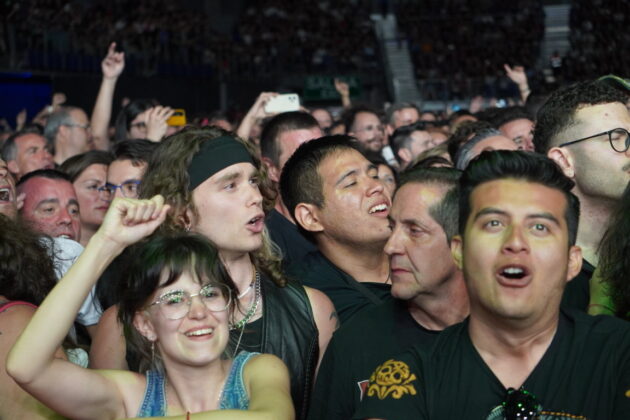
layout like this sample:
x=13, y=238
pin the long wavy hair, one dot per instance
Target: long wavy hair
x=157, y=262
x=167, y=174
x=614, y=257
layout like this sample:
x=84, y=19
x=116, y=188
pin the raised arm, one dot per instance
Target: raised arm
x=344, y=91
x=66, y=388
x=256, y=112
x=517, y=75
x=156, y=120
x=112, y=66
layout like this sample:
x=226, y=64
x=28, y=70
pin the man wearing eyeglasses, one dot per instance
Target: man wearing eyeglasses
x=518, y=355
x=584, y=129
x=124, y=179
x=125, y=172
x=68, y=130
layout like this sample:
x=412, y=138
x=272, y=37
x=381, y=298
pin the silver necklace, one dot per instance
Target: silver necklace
x=246, y=292
x=253, y=307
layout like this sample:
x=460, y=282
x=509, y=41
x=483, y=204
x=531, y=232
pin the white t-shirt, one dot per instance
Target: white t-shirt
x=64, y=253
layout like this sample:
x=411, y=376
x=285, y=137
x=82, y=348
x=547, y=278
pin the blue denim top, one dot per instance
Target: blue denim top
x=233, y=397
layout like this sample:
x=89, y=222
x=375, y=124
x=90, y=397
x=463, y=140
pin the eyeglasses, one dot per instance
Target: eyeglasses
x=140, y=125
x=83, y=126
x=128, y=189
x=619, y=139
x=520, y=404
x=176, y=303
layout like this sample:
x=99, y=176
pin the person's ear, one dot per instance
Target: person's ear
x=272, y=170
x=186, y=219
x=13, y=167
x=143, y=324
x=62, y=132
x=563, y=159
x=456, y=251
x=404, y=155
x=307, y=216
x=575, y=262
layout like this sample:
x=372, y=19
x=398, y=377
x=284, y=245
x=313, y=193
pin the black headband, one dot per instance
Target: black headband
x=215, y=155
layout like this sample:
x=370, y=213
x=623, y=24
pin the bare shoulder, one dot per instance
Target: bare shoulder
x=318, y=298
x=110, y=313
x=15, y=318
x=264, y=361
x=262, y=366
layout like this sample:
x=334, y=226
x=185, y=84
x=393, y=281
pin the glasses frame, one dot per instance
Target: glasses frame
x=83, y=126
x=114, y=187
x=609, y=132
x=225, y=289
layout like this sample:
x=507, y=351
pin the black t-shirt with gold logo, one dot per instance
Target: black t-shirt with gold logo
x=355, y=350
x=585, y=373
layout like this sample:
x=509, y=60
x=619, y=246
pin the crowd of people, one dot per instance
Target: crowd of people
x=166, y=38
x=463, y=43
x=382, y=263
x=597, y=33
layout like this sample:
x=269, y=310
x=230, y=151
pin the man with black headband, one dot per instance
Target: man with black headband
x=517, y=356
x=213, y=184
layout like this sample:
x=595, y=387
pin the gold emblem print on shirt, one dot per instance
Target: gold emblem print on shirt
x=392, y=378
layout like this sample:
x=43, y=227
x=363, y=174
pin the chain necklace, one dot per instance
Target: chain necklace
x=253, y=308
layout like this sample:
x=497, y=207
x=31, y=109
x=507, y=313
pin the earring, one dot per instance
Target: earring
x=152, y=340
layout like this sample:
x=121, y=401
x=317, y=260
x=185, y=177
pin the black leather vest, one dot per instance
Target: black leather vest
x=288, y=331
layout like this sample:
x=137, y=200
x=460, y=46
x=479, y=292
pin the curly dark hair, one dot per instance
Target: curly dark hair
x=26, y=269
x=614, y=257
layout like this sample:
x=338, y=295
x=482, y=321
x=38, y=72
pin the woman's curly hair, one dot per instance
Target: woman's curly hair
x=167, y=174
